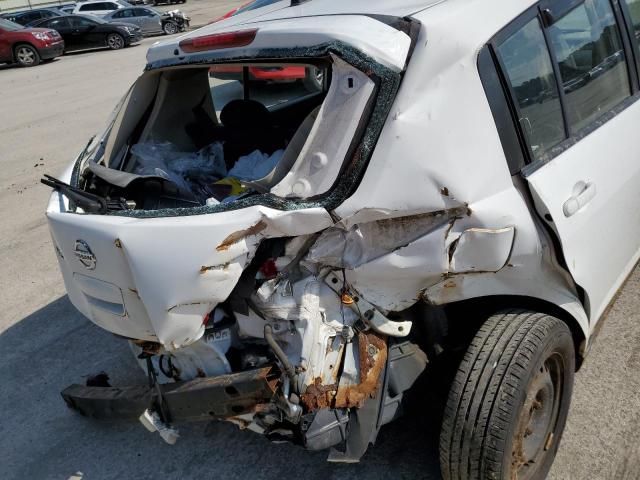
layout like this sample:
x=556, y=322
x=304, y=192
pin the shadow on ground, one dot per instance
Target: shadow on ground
x=41, y=438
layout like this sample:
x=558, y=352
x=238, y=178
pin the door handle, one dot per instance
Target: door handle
x=583, y=193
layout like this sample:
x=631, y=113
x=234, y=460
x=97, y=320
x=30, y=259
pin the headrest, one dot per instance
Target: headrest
x=244, y=113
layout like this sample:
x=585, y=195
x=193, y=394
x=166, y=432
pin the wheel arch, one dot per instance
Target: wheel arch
x=482, y=307
x=17, y=44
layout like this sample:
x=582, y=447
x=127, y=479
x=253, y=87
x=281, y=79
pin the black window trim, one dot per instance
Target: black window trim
x=523, y=162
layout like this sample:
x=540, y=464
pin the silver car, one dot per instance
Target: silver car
x=151, y=21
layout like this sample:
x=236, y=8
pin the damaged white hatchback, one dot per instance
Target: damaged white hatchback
x=296, y=212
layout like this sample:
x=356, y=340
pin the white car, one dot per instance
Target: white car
x=99, y=8
x=457, y=192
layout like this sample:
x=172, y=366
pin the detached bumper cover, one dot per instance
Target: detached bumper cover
x=200, y=399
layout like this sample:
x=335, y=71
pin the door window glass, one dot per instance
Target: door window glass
x=529, y=70
x=57, y=23
x=592, y=63
x=78, y=22
x=634, y=12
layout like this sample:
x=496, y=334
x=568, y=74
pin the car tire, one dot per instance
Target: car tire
x=170, y=28
x=115, y=41
x=314, y=79
x=508, y=404
x=26, y=55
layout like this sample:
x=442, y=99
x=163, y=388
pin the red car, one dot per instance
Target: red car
x=273, y=74
x=28, y=46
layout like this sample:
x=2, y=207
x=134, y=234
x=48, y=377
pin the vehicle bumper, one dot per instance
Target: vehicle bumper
x=52, y=51
x=134, y=38
x=200, y=399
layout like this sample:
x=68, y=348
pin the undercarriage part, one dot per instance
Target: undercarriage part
x=200, y=399
x=325, y=428
x=277, y=351
x=371, y=357
x=153, y=423
x=405, y=363
x=369, y=314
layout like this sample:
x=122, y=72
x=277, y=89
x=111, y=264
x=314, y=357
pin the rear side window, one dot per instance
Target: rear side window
x=529, y=70
x=591, y=60
x=57, y=23
x=634, y=13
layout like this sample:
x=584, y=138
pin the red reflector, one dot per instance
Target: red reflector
x=218, y=41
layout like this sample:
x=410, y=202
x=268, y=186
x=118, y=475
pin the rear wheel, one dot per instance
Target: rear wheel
x=170, y=28
x=26, y=55
x=115, y=41
x=509, y=402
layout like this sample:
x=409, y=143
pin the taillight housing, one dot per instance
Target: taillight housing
x=218, y=41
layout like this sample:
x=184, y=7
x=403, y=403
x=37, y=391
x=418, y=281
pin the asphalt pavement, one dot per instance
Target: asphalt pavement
x=47, y=115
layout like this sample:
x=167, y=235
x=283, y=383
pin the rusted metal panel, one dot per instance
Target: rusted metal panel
x=372, y=358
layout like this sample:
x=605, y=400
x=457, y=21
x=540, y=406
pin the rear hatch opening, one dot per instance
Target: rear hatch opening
x=194, y=136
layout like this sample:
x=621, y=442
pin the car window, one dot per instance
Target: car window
x=588, y=48
x=9, y=26
x=87, y=8
x=634, y=12
x=57, y=23
x=81, y=22
x=274, y=85
x=529, y=69
x=29, y=17
x=124, y=13
x=143, y=12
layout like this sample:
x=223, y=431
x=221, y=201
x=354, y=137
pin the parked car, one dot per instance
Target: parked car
x=67, y=9
x=29, y=16
x=99, y=8
x=28, y=46
x=82, y=32
x=151, y=21
x=253, y=5
x=313, y=77
x=159, y=2
x=294, y=267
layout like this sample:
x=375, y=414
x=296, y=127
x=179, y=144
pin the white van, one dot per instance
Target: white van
x=461, y=184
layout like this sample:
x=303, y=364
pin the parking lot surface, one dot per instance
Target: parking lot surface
x=48, y=115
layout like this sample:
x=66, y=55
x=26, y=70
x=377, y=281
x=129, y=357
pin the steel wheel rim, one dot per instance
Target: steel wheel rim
x=115, y=42
x=538, y=419
x=26, y=55
x=170, y=28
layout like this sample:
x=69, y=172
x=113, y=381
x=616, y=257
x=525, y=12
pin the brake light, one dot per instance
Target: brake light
x=219, y=41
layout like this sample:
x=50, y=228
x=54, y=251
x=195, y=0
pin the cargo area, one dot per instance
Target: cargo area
x=189, y=137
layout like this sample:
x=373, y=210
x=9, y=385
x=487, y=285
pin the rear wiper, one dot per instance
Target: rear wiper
x=89, y=202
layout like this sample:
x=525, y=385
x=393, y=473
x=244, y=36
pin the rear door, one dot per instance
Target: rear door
x=63, y=26
x=148, y=20
x=84, y=35
x=573, y=80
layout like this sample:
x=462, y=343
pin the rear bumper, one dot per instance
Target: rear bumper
x=209, y=398
x=52, y=51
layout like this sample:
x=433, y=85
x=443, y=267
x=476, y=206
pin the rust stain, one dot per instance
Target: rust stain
x=318, y=396
x=207, y=268
x=151, y=348
x=444, y=191
x=450, y=284
x=372, y=349
x=240, y=235
x=118, y=243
